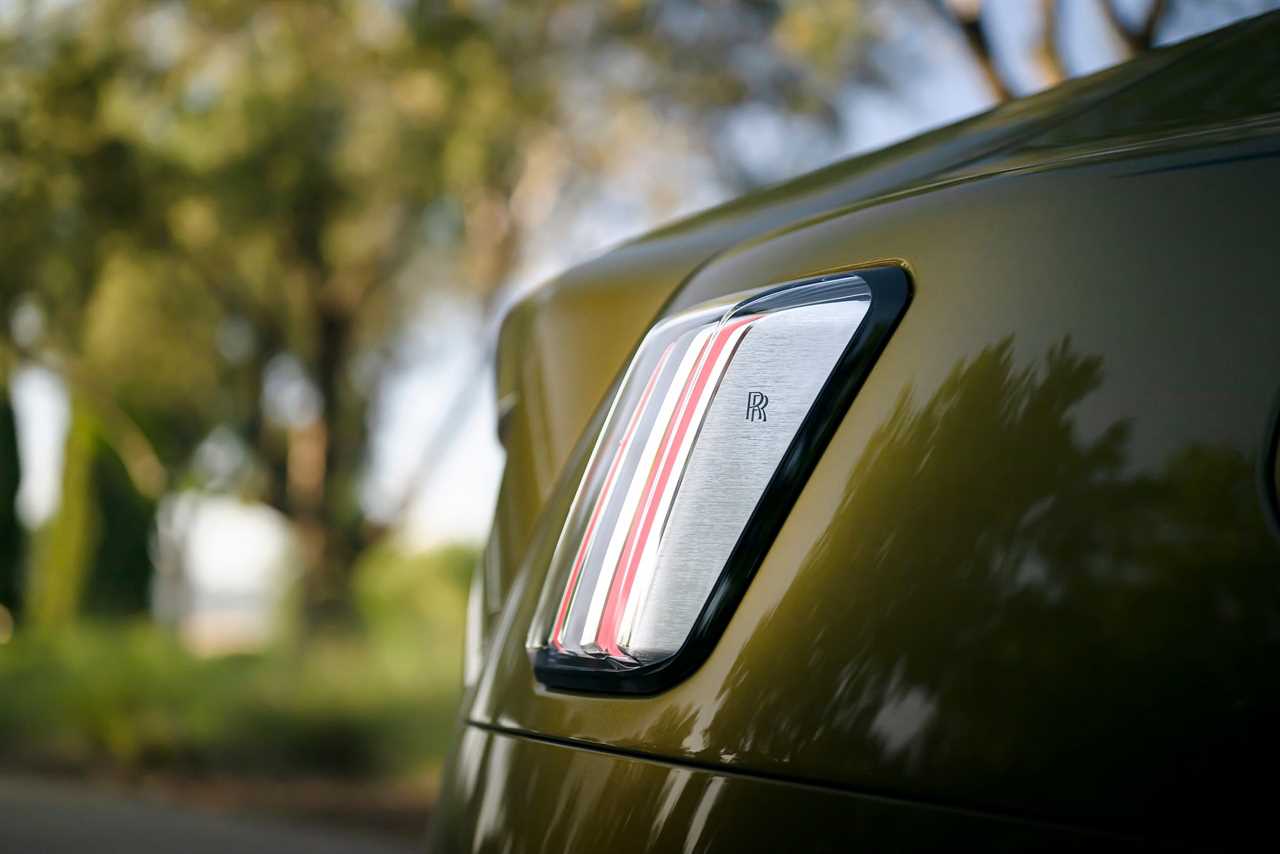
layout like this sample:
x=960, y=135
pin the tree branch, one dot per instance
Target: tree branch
x=1049, y=55
x=1143, y=37
x=970, y=25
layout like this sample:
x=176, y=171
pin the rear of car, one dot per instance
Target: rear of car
x=1007, y=572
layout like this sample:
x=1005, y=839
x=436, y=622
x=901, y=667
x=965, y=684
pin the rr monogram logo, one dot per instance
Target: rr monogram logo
x=756, y=402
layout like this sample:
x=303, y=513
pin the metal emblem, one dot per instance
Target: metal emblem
x=714, y=413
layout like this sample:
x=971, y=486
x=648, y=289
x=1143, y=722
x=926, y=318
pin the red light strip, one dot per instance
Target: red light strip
x=664, y=462
x=585, y=547
x=622, y=533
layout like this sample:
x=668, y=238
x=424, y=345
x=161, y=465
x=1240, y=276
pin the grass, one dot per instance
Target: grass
x=374, y=704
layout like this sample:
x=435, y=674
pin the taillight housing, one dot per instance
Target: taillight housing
x=713, y=429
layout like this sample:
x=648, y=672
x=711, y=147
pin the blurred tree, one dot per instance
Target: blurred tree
x=211, y=204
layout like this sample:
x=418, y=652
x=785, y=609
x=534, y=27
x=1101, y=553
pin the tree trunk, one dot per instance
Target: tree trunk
x=321, y=474
x=65, y=544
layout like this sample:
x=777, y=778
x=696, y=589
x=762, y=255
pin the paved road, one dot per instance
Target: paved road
x=62, y=818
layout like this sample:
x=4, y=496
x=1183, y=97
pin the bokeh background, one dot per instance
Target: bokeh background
x=252, y=259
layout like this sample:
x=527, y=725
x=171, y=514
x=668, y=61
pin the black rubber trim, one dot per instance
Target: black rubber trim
x=890, y=294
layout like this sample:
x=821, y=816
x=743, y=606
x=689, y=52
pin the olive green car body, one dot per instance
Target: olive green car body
x=1030, y=594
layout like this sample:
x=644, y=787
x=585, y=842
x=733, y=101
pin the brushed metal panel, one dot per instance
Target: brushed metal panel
x=783, y=361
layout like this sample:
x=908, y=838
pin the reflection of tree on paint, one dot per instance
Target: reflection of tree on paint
x=1020, y=613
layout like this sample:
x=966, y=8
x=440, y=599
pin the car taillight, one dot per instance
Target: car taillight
x=711, y=432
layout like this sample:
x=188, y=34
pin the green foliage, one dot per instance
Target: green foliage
x=153, y=337
x=399, y=592
x=119, y=582
x=130, y=697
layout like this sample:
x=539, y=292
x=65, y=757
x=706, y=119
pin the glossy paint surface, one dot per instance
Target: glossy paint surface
x=1035, y=572
x=513, y=794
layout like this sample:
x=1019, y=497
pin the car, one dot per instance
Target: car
x=927, y=500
